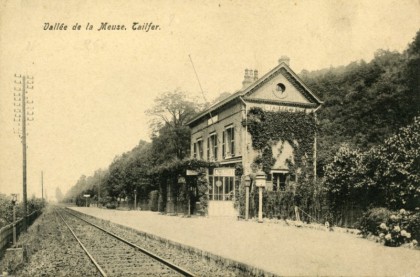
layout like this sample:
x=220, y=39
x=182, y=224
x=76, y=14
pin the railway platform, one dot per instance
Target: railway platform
x=272, y=247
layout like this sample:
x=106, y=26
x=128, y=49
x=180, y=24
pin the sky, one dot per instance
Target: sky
x=91, y=88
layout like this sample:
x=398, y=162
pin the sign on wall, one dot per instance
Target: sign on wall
x=191, y=172
x=224, y=171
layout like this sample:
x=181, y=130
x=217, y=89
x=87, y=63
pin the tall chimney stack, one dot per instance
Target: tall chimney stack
x=248, y=79
x=284, y=59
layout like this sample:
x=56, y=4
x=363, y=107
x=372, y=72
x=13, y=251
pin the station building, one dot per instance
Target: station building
x=219, y=135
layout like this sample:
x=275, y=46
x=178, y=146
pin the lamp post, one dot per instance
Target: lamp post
x=14, y=200
x=135, y=199
x=260, y=183
x=247, y=185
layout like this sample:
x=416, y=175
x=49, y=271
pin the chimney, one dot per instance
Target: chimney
x=249, y=77
x=284, y=59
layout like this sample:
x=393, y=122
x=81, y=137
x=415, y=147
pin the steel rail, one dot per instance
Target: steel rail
x=84, y=248
x=156, y=257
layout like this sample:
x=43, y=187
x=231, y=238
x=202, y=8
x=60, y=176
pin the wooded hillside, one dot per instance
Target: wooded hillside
x=366, y=102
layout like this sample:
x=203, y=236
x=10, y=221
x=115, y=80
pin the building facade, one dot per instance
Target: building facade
x=219, y=134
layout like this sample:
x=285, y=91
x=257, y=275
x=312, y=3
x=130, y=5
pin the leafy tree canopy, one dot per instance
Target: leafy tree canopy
x=364, y=103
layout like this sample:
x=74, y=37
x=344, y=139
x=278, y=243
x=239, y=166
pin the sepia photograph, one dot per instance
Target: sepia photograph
x=209, y=138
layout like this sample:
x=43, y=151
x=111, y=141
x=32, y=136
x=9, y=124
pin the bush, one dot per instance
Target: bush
x=276, y=204
x=372, y=219
x=35, y=204
x=6, y=210
x=413, y=225
x=399, y=228
x=112, y=205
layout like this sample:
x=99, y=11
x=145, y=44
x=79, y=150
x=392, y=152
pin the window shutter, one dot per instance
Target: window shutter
x=223, y=145
x=215, y=147
x=208, y=148
x=232, y=145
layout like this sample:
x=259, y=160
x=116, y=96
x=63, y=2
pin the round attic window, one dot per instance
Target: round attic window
x=280, y=87
x=279, y=90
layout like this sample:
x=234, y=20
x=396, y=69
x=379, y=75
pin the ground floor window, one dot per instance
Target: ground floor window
x=221, y=188
x=280, y=181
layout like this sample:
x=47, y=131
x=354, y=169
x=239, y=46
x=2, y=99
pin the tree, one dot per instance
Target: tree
x=171, y=136
x=365, y=103
x=173, y=109
x=395, y=168
x=345, y=179
x=388, y=175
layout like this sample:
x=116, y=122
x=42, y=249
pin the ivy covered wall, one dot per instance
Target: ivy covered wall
x=298, y=129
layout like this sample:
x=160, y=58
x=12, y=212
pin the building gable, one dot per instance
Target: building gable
x=279, y=88
x=281, y=85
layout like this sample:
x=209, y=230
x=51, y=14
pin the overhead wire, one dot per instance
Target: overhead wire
x=239, y=123
x=204, y=97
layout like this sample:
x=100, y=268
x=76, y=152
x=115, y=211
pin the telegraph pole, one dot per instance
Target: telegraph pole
x=42, y=185
x=21, y=115
x=25, y=196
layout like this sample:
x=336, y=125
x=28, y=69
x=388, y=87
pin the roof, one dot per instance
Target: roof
x=281, y=68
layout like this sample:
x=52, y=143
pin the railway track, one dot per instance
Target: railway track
x=112, y=255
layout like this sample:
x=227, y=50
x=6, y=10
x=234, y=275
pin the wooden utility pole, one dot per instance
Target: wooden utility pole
x=42, y=185
x=25, y=196
x=21, y=116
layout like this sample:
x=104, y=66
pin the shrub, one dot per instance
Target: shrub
x=413, y=225
x=112, y=205
x=396, y=229
x=35, y=204
x=6, y=210
x=385, y=176
x=372, y=219
x=395, y=167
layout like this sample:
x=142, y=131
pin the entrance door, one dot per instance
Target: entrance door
x=221, y=188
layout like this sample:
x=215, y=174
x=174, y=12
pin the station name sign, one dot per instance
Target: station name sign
x=224, y=171
x=277, y=108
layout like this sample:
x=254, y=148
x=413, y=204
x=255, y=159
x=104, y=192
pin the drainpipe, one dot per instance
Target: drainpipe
x=245, y=154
